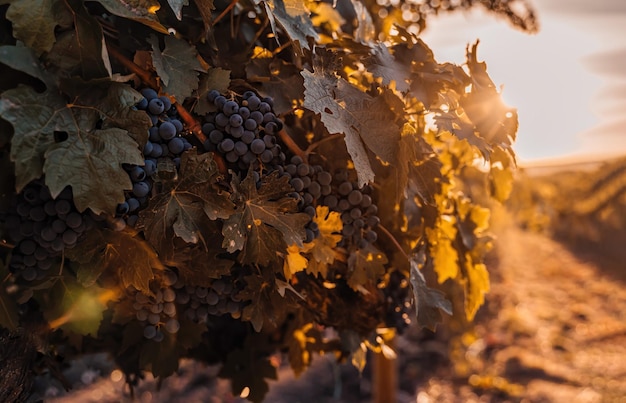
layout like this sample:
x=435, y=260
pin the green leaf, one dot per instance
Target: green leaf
x=25, y=60
x=428, y=302
x=293, y=17
x=90, y=162
x=366, y=266
x=215, y=79
x=177, y=66
x=191, y=202
x=94, y=57
x=34, y=22
x=366, y=121
x=35, y=117
x=265, y=220
x=9, y=317
x=143, y=11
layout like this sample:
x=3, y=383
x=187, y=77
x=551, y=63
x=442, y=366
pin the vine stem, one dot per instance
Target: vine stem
x=232, y=4
x=291, y=145
x=313, y=146
x=195, y=128
x=143, y=75
x=393, y=240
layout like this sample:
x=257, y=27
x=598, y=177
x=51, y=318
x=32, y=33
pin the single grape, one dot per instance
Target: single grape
x=155, y=106
x=211, y=95
x=176, y=145
x=142, y=104
x=247, y=137
x=169, y=308
x=226, y=145
x=373, y=221
x=241, y=148
x=216, y=136
x=167, y=131
x=150, y=167
x=70, y=237
x=149, y=94
x=27, y=247
x=297, y=184
x=244, y=112
x=371, y=236
x=257, y=146
x=137, y=174
x=29, y=274
x=167, y=104
x=74, y=220
x=133, y=204
x=149, y=332
x=147, y=149
x=343, y=205
x=219, y=101
x=257, y=117
x=58, y=226
x=271, y=127
x=267, y=156
x=157, y=150
x=264, y=107
x=230, y=108
x=345, y=188
x=355, y=197
x=250, y=124
x=237, y=132
x=315, y=189
x=141, y=189
x=37, y=213
x=235, y=120
x=62, y=206
x=331, y=201
x=253, y=103
x=310, y=210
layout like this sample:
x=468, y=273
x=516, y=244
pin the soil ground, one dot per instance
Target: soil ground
x=553, y=330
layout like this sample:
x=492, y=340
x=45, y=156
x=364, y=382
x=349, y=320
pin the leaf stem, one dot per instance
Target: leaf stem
x=291, y=145
x=313, y=146
x=393, y=240
x=143, y=75
x=232, y=4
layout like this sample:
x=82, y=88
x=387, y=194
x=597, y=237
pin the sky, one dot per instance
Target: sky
x=568, y=82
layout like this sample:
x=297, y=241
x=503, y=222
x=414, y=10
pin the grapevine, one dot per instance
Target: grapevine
x=175, y=174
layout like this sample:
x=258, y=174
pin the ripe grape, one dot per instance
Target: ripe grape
x=156, y=106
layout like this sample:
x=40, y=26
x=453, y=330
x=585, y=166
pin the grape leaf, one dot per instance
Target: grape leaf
x=199, y=267
x=69, y=305
x=143, y=11
x=445, y=256
x=215, y=79
x=366, y=265
x=121, y=253
x=34, y=22
x=323, y=247
x=428, y=302
x=177, y=66
x=35, y=117
x=9, y=317
x=25, y=60
x=160, y=358
x=94, y=57
x=90, y=162
x=365, y=120
x=293, y=17
x=247, y=368
x=383, y=65
x=303, y=343
x=501, y=174
x=265, y=220
x=279, y=80
x=114, y=104
x=294, y=261
x=266, y=305
x=189, y=203
x=476, y=285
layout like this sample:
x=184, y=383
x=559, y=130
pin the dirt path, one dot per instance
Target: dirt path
x=555, y=325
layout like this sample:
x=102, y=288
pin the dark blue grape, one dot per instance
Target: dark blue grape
x=267, y=156
x=149, y=93
x=241, y=148
x=167, y=104
x=211, y=95
x=142, y=104
x=297, y=184
x=271, y=127
x=62, y=206
x=264, y=108
x=230, y=108
x=178, y=124
x=216, y=136
x=237, y=132
x=257, y=146
x=122, y=208
x=219, y=101
x=133, y=204
x=231, y=156
x=70, y=237
x=58, y=226
x=247, y=137
x=167, y=131
x=324, y=178
x=253, y=103
x=176, y=145
x=226, y=145
x=221, y=120
x=147, y=149
x=150, y=167
x=236, y=120
x=155, y=106
x=257, y=117
x=141, y=189
x=244, y=112
x=137, y=174
x=157, y=150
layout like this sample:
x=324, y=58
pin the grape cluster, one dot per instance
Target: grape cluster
x=398, y=299
x=165, y=143
x=218, y=299
x=311, y=184
x=243, y=131
x=157, y=312
x=357, y=209
x=42, y=228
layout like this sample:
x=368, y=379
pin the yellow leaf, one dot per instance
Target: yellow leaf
x=476, y=285
x=445, y=256
x=294, y=261
x=322, y=247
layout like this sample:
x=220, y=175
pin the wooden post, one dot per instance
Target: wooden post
x=385, y=377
